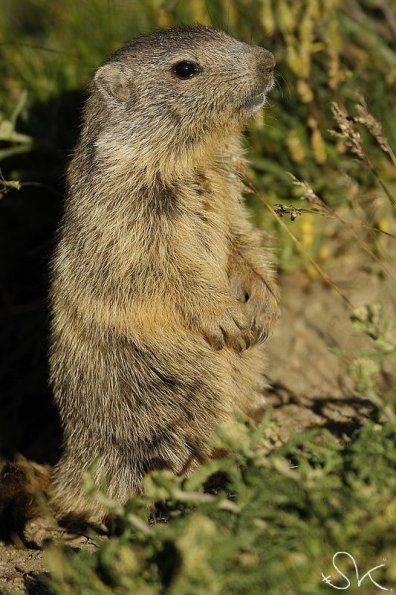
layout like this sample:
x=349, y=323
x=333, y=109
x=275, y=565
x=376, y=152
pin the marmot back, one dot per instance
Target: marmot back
x=162, y=293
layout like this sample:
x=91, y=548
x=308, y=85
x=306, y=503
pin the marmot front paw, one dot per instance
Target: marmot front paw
x=225, y=325
x=260, y=302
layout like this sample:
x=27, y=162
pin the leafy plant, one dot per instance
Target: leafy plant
x=273, y=524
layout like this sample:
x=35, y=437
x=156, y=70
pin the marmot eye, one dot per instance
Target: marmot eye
x=185, y=69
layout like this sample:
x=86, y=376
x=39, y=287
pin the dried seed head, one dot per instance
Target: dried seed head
x=350, y=137
x=309, y=195
x=282, y=210
x=364, y=117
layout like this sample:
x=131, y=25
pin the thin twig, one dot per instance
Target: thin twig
x=301, y=248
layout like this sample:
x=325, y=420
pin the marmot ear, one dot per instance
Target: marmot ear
x=112, y=82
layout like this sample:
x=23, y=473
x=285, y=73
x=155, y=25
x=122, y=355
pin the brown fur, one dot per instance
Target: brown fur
x=22, y=483
x=162, y=293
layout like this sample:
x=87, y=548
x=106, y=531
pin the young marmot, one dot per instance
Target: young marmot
x=161, y=292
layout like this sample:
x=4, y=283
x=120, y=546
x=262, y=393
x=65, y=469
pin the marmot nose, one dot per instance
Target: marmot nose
x=265, y=59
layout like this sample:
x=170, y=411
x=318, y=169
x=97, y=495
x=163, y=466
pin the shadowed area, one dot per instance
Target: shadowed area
x=28, y=221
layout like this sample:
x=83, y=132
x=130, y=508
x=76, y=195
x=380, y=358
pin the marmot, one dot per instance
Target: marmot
x=162, y=293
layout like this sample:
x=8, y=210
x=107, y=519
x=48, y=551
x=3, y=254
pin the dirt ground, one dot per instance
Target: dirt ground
x=310, y=386
x=310, y=381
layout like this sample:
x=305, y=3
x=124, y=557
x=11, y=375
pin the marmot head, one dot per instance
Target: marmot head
x=170, y=90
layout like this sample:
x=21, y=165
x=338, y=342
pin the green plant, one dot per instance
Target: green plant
x=272, y=526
